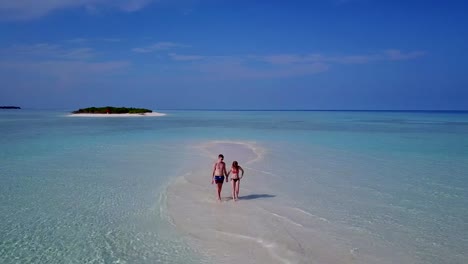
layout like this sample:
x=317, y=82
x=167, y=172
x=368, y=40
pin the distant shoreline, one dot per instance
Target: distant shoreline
x=118, y=115
x=10, y=107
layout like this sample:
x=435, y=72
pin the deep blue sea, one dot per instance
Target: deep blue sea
x=389, y=186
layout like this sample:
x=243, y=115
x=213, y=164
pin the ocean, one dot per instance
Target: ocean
x=320, y=187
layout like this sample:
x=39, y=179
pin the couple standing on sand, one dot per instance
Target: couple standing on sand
x=219, y=171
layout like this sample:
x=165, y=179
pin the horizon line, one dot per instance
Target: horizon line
x=317, y=110
x=279, y=110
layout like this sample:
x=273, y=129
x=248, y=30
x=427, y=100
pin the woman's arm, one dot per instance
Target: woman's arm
x=241, y=169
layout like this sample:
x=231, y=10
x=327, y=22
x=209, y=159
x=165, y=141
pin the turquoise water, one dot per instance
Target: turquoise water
x=89, y=190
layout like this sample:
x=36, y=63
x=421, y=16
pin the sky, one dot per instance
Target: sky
x=234, y=54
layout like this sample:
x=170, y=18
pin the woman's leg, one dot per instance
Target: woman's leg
x=237, y=189
x=233, y=189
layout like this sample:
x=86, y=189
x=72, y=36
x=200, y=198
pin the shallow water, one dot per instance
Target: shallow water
x=330, y=187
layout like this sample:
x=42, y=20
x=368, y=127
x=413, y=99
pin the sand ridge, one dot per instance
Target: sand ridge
x=265, y=225
x=255, y=229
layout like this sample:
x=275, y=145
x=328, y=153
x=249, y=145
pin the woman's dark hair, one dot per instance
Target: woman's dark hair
x=235, y=164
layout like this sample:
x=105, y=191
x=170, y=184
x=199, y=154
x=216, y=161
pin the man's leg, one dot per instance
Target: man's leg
x=220, y=186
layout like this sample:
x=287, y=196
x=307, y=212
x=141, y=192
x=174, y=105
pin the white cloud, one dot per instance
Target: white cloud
x=112, y=39
x=159, y=46
x=30, y=9
x=61, y=65
x=178, y=57
x=354, y=59
x=79, y=54
x=290, y=58
x=62, y=60
x=387, y=55
x=242, y=67
x=393, y=54
x=61, y=74
x=233, y=70
x=134, y=5
x=47, y=51
x=89, y=40
x=77, y=40
x=280, y=65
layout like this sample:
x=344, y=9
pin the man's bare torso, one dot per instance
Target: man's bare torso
x=219, y=168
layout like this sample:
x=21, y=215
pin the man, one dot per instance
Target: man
x=219, y=171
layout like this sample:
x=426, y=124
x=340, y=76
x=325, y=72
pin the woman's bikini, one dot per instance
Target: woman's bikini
x=235, y=171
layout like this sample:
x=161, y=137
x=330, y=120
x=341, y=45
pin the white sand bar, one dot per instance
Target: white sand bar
x=119, y=115
x=264, y=226
x=258, y=228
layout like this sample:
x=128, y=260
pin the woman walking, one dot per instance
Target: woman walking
x=235, y=179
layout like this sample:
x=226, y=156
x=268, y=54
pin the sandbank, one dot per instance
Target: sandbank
x=266, y=224
x=260, y=227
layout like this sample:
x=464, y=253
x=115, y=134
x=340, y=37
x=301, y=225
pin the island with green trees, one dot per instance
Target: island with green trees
x=9, y=107
x=112, y=110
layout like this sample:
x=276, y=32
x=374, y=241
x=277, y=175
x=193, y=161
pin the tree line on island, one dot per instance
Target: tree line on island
x=112, y=110
x=9, y=107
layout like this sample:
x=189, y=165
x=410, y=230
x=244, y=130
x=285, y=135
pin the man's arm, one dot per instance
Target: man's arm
x=225, y=172
x=213, y=174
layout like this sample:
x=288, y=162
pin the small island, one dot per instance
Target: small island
x=110, y=111
x=9, y=107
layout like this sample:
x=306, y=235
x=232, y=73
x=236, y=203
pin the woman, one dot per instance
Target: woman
x=235, y=179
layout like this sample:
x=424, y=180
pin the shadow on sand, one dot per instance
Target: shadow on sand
x=256, y=196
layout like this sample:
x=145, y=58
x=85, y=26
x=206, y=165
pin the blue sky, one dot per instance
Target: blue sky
x=212, y=54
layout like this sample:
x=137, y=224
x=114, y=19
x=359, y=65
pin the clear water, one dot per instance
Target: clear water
x=91, y=190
